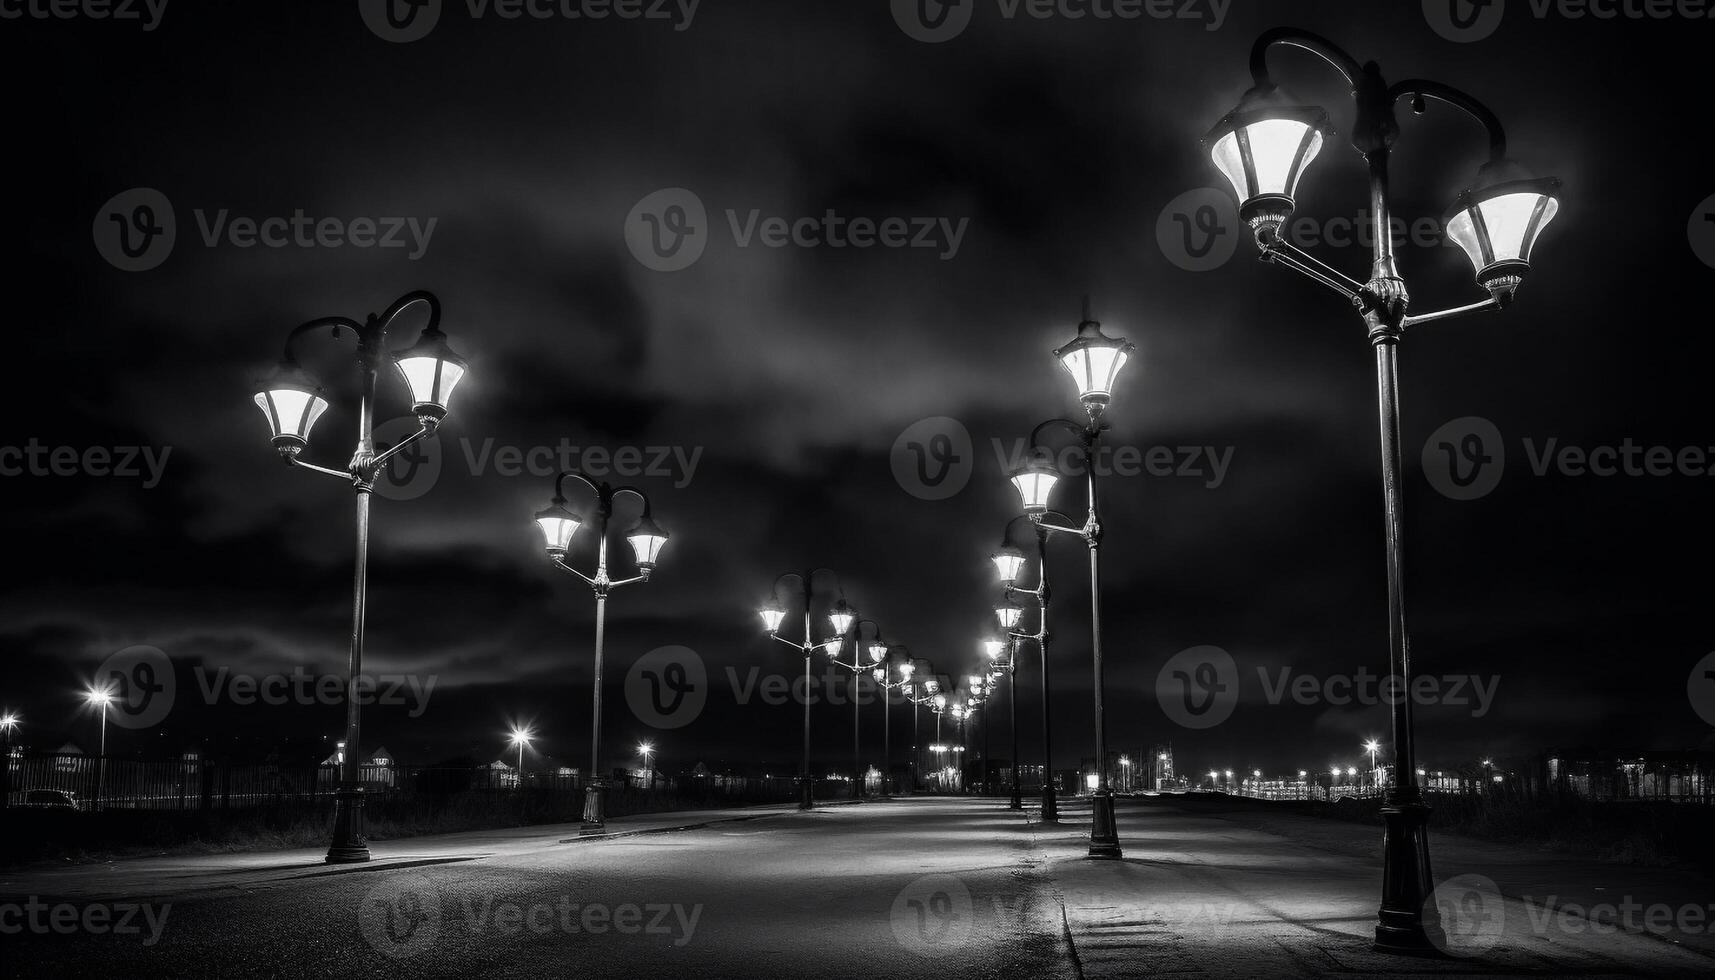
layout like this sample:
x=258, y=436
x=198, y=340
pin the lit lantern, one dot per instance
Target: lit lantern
x=1263, y=148
x=647, y=539
x=1035, y=482
x=292, y=402
x=1497, y=223
x=431, y=371
x=1094, y=360
x=772, y=614
x=1007, y=613
x=993, y=647
x=877, y=651
x=841, y=618
x=1010, y=561
x=558, y=524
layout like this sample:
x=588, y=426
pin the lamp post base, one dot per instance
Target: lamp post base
x=349, y=845
x=595, y=809
x=1050, y=806
x=1104, y=830
x=807, y=796
x=1407, y=922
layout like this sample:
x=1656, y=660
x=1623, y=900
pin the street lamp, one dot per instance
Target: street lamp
x=919, y=692
x=521, y=738
x=1263, y=146
x=559, y=523
x=8, y=724
x=879, y=655
x=773, y=613
x=102, y=696
x=1372, y=746
x=647, y=751
x=1010, y=561
x=1094, y=360
x=292, y=402
x=842, y=620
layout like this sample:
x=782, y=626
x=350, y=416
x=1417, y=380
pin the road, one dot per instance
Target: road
x=913, y=888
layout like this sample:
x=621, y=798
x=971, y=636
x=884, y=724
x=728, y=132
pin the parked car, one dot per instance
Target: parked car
x=46, y=799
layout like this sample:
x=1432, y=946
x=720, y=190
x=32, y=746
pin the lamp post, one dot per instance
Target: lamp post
x=292, y=402
x=1263, y=147
x=521, y=738
x=919, y=692
x=559, y=523
x=647, y=751
x=993, y=649
x=844, y=620
x=1372, y=747
x=772, y=613
x=982, y=686
x=1010, y=561
x=1094, y=361
x=103, y=697
x=880, y=654
x=8, y=724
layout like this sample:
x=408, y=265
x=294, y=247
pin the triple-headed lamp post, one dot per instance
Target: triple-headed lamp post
x=292, y=402
x=1093, y=360
x=558, y=524
x=1263, y=147
x=773, y=612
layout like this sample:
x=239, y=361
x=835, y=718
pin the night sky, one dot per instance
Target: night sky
x=788, y=374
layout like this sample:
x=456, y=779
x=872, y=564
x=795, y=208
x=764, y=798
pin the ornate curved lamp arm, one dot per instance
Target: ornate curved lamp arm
x=1418, y=89
x=409, y=299
x=1316, y=44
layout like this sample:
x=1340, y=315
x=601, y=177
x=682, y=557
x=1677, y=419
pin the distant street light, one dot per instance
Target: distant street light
x=1010, y=562
x=559, y=523
x=647, y=751
x=1094, y=360
x=772, y=614
x=521, y=738
x=1373, y=746
x=919, y=692
x=103, y=697
x=844, y=620
x=1263, y=147
x=292, y=402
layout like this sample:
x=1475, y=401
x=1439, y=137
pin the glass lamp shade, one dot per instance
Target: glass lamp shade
x=1008, y=615
x=1263, y=151
x=772, y=614
x=1010, y=561
x=879, y=674
x=907, y=669
x=877, y=652
x=647, y=539
x=431, y=371
x=1094, y=360
x=940, y=701
x=841, y=618
x=1498, y=224
x=931, y=685
x=993, y=648
x=558, y=525
x=1034, y=483
x=292, y=403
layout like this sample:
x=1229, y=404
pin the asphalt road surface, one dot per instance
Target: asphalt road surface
x=913, y=888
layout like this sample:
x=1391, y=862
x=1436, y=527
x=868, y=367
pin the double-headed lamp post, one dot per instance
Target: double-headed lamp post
x=923, y=691
x=559, y=523
x=292, y=402
x=1003, y=657
x=1094, y=361
x=840, y=619
x=879, y=654
x=1010, y=561
x=1263, y=147
x=844, y=619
